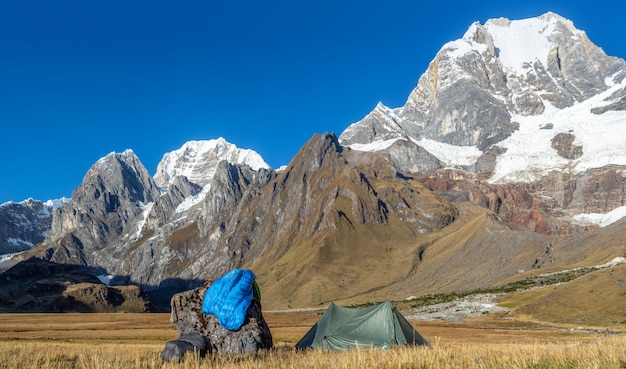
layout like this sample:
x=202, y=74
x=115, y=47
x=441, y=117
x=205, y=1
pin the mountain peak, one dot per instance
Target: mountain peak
x=198, y=159
x=551, y=16
x=518, y=44
x=112, y=160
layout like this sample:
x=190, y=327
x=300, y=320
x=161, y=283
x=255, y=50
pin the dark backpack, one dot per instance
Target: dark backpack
x=188, y=342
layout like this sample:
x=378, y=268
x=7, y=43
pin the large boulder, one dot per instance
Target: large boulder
x=251, y=337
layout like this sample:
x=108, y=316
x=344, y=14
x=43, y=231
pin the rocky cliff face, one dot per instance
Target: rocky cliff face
x=119, y=220
x=102, y=211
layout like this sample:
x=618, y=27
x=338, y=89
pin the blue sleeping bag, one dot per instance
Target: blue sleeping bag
x=229, y=297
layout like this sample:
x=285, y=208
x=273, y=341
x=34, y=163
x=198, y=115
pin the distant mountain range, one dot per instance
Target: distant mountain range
x=512, y=142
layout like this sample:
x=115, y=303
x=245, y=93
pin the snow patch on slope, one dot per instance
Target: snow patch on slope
x=146, y=209
x=529, y=154
x=450, y=155
x=374, y=146
x=602, y=220
x=190, y=201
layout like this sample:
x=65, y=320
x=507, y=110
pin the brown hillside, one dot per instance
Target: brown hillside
x=592, y=248
x=476, y=251
x=347, y=227
x=594, y=299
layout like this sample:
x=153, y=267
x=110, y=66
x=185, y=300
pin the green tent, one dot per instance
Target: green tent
x=342, y=328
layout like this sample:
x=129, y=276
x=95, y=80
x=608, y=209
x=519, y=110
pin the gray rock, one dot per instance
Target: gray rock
x=101, y=212
x=410, y=157
x=615, y=102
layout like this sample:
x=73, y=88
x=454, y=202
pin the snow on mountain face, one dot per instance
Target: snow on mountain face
x=518, y=44
x=547, y=47
x=197, y=161
x=529, y=154
x=522, y=42
x=56, y=203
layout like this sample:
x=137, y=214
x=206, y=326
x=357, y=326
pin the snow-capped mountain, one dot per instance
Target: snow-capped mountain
x=196, y=163
x=512, y=102
x=479, y=89
x=120, y=220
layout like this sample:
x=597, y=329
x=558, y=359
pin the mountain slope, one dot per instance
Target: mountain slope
x=339, y=221
x=594, y=299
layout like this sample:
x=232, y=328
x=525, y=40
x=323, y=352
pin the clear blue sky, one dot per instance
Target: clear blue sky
x=82, y=78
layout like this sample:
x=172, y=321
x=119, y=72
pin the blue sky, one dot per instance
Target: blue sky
x=82, y=78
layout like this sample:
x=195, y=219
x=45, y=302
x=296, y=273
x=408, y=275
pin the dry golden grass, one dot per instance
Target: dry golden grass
x=127, y=341
x=87, y=328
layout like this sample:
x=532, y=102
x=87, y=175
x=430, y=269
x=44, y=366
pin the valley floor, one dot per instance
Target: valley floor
x=109, y=341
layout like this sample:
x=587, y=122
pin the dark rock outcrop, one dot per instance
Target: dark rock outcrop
x=23, y=225
x=563, y=143
x=39, y=286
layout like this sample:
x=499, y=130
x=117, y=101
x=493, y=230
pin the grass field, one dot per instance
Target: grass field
x=106, y=341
